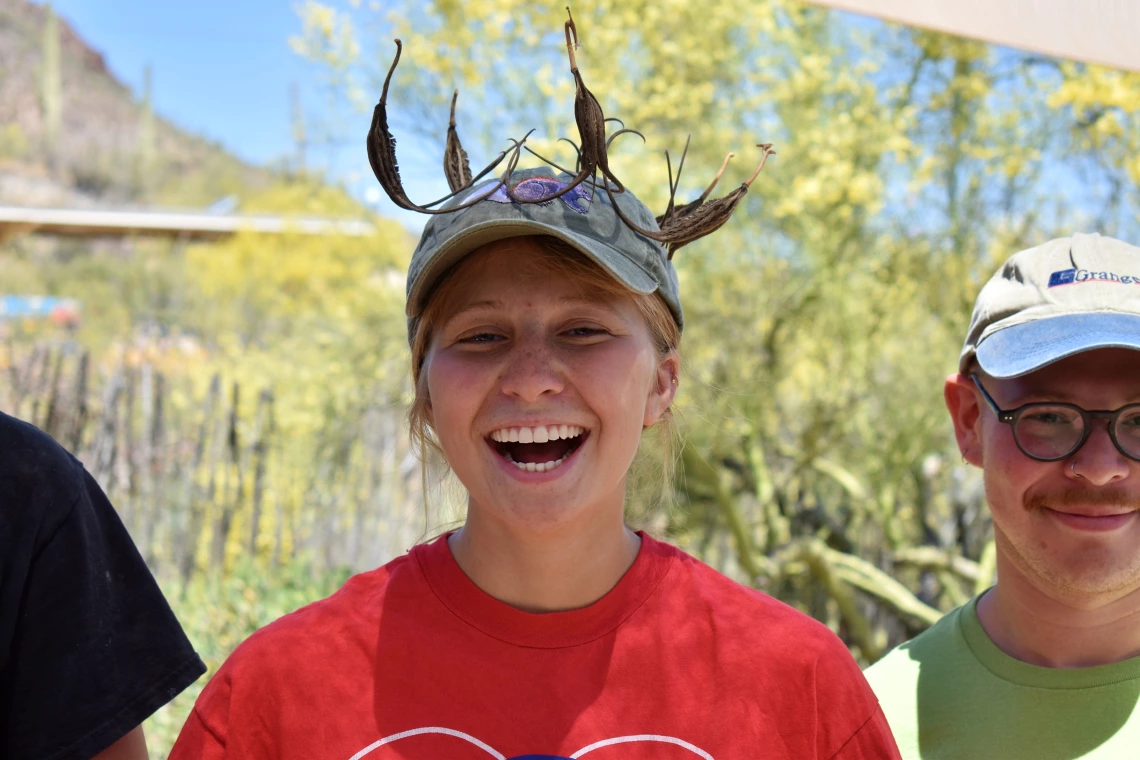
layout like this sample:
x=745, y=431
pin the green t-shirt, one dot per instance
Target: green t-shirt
x=951, y=693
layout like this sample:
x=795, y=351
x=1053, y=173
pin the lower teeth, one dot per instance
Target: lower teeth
x=536, y=466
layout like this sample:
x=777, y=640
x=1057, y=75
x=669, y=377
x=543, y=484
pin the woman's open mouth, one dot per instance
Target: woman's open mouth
x=537, y=449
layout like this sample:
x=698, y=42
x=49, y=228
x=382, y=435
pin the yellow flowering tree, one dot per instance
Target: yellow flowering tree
x=818, y=461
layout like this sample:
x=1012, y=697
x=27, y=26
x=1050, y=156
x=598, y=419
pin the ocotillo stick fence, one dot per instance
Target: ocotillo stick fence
x=204, y=478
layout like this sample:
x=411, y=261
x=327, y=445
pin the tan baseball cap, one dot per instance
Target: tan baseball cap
x=584, y=218
x=1064, y=297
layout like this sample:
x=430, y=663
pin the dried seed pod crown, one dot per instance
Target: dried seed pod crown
x=678, y=225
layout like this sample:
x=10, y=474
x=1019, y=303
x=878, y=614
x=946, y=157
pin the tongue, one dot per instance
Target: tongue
x=551, y=451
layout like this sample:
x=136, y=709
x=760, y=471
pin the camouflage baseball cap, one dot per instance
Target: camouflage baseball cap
x=1064, y=297
x=584, y=218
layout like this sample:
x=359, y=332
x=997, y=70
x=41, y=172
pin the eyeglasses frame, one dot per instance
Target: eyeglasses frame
x=1011, y=416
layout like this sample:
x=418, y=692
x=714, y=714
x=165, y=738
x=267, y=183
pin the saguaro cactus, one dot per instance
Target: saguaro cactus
x=146, y=144
x=51, y=85
x=300, y=138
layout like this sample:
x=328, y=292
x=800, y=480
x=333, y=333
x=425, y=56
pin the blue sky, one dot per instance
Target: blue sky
x=221, y=68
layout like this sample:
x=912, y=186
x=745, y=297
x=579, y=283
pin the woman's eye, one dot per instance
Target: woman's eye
x=484, y=337
x=585, y=332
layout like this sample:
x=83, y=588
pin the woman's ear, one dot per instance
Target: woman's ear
x=966, y=413
x=664, y=390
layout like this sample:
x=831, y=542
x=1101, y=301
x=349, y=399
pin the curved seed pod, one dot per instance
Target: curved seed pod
x=588, y=115
x=381, y=147
x=674, y=182
x=683, y=211
x=700, y=218
x=591, y=122
x=455, y=165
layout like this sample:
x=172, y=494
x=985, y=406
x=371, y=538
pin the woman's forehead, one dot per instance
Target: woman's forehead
x=521, y=267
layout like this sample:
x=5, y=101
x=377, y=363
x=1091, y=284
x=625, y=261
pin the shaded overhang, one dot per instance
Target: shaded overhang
x=90, y=223
x=1092, y=31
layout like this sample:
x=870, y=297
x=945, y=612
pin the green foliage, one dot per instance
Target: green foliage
x=822, y=320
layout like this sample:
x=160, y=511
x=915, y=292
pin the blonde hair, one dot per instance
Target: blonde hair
x=651, y=475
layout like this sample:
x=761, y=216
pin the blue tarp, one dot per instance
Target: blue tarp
x=23, y=307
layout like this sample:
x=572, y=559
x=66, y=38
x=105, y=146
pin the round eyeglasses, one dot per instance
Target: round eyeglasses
x=1049, y=432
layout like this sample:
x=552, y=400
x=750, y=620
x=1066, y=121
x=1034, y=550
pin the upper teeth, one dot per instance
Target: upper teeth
x=540, y=434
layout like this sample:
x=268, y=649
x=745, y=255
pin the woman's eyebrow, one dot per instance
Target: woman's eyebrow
x=495, y=305
x=488, y=305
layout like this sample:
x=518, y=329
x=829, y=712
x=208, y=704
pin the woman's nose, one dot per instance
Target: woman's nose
x=532, y=369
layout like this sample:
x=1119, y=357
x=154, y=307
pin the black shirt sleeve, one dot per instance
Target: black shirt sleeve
x=89, y=648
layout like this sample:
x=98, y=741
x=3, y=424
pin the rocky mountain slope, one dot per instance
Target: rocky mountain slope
x=109, y=148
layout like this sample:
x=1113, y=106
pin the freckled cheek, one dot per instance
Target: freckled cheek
x=616, y=385
x=457, y=390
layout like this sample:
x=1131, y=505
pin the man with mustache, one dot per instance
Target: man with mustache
x=1046, y=400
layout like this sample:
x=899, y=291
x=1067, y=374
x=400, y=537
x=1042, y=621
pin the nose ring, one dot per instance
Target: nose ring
x=1073, y=469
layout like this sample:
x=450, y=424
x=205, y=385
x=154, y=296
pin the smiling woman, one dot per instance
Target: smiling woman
x=544, y=319
x=532, y=339
x=544, y=345
x=545, y=259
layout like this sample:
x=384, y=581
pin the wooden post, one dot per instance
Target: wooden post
x=51, y=420
x=104, y=448
x=190, y=522
x=79, y=416
x=230, y=497
x=263, y=434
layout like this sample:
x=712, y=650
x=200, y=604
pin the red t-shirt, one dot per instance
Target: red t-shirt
x=413, y=661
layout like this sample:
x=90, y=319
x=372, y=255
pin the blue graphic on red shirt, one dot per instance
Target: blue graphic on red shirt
x=540, y=187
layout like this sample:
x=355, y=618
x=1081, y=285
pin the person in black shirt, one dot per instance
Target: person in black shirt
x=89, y=648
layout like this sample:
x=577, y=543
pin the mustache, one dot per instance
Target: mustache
x=1083, y=497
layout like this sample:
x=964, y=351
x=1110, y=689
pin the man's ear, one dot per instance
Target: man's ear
x=664, y=390
x=966, y=413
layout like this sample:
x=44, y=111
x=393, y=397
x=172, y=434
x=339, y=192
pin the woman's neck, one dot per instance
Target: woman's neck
x=1043, y=629
x=561, y=569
